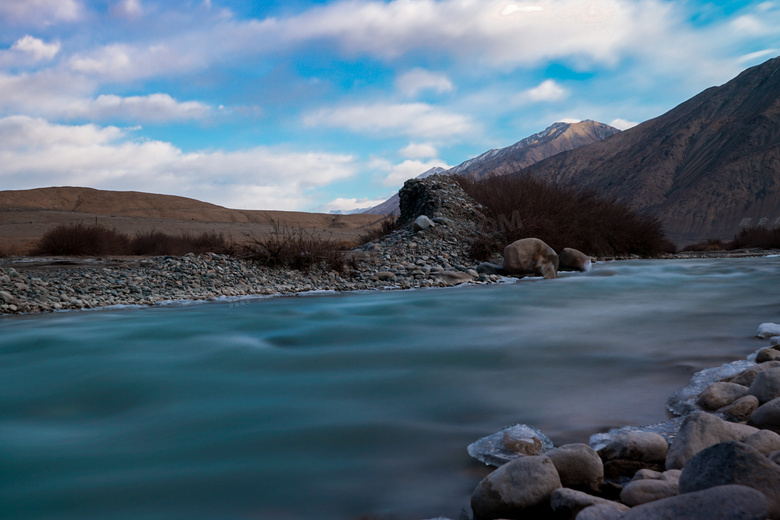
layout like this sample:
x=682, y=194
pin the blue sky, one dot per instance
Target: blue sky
x=323, y=105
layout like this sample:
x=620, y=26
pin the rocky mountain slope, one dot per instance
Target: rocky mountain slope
x=707, y=167
x=555, y=139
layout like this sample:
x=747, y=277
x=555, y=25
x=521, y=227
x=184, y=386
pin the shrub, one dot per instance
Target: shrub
x=159, y=243
x=296, y=248
x=377, y=231
x=760, y=236
x=82, y=240
x=523, y=206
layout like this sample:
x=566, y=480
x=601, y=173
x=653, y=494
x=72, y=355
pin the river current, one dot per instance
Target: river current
x=339, y=406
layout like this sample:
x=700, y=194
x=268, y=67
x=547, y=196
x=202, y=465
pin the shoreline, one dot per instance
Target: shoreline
x=33, y=285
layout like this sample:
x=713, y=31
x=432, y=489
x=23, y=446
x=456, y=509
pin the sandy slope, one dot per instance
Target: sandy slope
x=26, y=214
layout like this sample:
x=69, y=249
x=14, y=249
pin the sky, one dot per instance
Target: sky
x=322, y=105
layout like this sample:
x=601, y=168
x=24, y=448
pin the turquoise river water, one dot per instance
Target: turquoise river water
x=352, y=405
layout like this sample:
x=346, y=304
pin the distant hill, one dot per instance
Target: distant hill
x=706, y=168
x=555, y=139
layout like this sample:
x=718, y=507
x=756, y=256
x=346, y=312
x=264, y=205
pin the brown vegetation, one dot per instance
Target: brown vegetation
x=522, y=206
x=375, y=233
x=752, y=237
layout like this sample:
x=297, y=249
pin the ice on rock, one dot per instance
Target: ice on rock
x=775, y=340
x=508, y=444
x=683, y=401
x=668, y=430
x=768, y=330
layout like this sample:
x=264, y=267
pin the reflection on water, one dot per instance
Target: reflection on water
x=335, y=406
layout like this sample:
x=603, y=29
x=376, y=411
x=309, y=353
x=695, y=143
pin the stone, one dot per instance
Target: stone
x=775, y=340
x=765, y=441
x=774, y=457
x=452, y=277
x=740, y=410
x=579, y=466
x=717, y=503
x=610, y=511
x=567, y=503
x=520, y=487
x=768, y=330
x=530, y=256
x=384, y=276
x=767, y=416
x=639, y=446
x=720, y=394
x=642, y=491
x=768, y=354
x=8, y=298
x=747, y=376
x=699, y=431
x=733, y=463
x=490, y=268
x=766, y=386
x=573, y=260
x=422, y=223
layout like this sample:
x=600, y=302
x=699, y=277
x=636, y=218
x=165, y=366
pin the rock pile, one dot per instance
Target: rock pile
x=724, y=463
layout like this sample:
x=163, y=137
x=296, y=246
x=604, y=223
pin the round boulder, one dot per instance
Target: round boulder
x=740, y=410
x=717, y=503
x=765, y=441
x=520, y=487
x=530, y=256
x=641, y=446
x=699, y=431
x=766, y=386
x=747, y=376
x=767, y=416
x=573, y=260
x=768, y=354
x=720, y=394
x=422, y=223
x=579, y=466
x=567, y=503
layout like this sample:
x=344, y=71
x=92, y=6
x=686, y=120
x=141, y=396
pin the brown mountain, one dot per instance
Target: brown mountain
x=555, y=139
x=707, y=167
x=26, y=214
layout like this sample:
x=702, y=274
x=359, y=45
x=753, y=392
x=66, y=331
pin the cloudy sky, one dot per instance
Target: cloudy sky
x=316, y=105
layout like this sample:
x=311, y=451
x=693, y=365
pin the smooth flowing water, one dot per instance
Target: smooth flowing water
x=333, y=407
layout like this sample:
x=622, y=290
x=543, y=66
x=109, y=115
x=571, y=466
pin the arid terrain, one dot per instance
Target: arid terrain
x=26, y=215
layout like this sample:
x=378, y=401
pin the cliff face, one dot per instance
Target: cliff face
x=706, y=168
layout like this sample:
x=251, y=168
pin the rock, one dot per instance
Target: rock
x=490, y=268
x=766, y=386
x=641, y=491
x=767, y=416
x=765, y=441
x=579, y=466
x=567, y=503
x=699, y=431
x=521, y=487
x=372, y=247
x=610, y=511
x=384, y=276
x=530, y=256
x=768, y=330
x=774, y=457
x=733, y=463
x=639, y=446
x=768, y=354
x=740, y=410
x=747, y=376
x=422, y=223
x=573, y=260
x=8, y=298
x=717, y=503
x=775, y=340
x=451, y=277
x=530, y=446
x=720, y=394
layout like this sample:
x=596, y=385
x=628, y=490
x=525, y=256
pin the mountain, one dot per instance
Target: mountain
x=555, y=139
x=706, y=168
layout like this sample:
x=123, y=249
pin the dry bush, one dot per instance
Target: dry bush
x=761, y=237
x=82, y=240
x=154, y=243
x=377, y=231
x=522, y=206
x=296, y=248
x=712, y=244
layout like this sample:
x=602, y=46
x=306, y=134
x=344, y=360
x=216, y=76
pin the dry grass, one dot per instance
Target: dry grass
x=749, y=238
x=374, y=233
x=522, y=206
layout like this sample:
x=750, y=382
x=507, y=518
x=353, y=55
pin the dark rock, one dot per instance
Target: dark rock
x=573, y=260
x=701, y=430
x=717, y=503
x=766, y=386
x=720, y=394
x=740, y=410
x=567, y=503
x=747, y=376
x=579, y=466
x=530, y=256
x=767, y=416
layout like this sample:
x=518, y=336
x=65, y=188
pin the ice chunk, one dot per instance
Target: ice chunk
x=683, y=401
x=508, y=444
x=775, y=340
x=768, y=330
x=668, y=430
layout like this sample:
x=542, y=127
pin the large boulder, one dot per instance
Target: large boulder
x=720, y=394
x=521, y=487
x=647, y=486
x=629, y=452
x=567, y=503
x=530, y=256
x=740, y=410
x=733, y=463
x=422, y=223
x=767, y=416
x=573, y=260
x=579, y=466
x=768, y=354
x=717, y=503
x=747, y=376
x=766, y=386
x=699, y=431
x=765, y=441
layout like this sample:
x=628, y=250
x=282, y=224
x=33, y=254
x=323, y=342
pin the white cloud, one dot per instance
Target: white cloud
x=36, y=153
x=397, y=174
x=153, y=107
x=351, y=204
x=622, y=124
x=419, y=151
x=128, y=8
x=410, y=119
x=417, y=80
x=547, y=91
x=513, y=8
x=39, y=49
x=40, y=12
